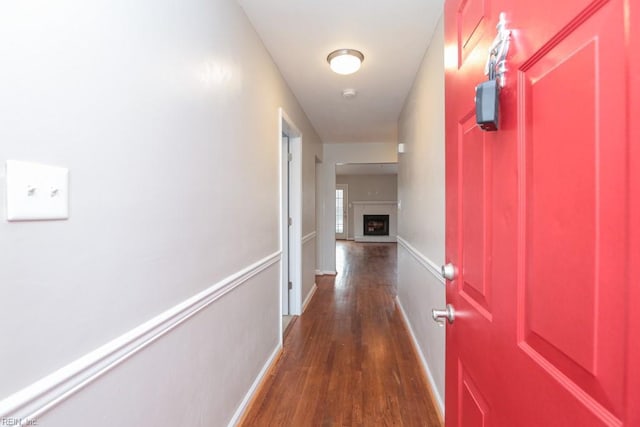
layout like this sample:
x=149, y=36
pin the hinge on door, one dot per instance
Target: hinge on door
x=290, y=157
x=290, y=221
x=290, y=285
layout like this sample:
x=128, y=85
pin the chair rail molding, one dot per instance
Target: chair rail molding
x=309, y=237
x=48, y=392
x=431, y=266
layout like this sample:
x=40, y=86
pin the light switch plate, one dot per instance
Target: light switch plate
x=36, y=192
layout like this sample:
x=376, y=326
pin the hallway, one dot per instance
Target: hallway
x=348, y=360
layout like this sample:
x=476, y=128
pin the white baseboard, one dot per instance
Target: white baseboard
x=326, y=272
x=43, y=395
x=247, y=398
x=307, y=300
x=375, y=239
x=425, y=365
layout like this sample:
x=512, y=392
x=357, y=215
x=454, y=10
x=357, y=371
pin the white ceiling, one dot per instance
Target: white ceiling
x=392, y=34
x=367, y=169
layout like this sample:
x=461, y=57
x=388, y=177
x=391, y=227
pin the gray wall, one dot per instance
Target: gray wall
x=421, y=222
x=172, y=141
x=366, y=188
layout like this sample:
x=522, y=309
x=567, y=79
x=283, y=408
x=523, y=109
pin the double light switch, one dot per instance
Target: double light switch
x=36, y=192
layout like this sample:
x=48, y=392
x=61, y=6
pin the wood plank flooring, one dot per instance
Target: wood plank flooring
x=348, y=360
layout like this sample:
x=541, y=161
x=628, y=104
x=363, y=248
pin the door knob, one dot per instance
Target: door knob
x=439, y=315
x=449, y=271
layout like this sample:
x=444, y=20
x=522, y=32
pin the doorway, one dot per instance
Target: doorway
x=364, y=188
x=290, y=140
x=342, y=209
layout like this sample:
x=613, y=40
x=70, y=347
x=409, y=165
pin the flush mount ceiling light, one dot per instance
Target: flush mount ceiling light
x=345, y=61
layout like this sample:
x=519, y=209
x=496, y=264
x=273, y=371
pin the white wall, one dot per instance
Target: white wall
x=421, y=192
x=365, y=188
x=164, y=114
x=375, y=152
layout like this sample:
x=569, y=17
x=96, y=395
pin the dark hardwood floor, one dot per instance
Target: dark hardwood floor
x=348, y=360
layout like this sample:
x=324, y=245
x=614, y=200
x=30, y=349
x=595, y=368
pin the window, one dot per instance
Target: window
x=339, y=210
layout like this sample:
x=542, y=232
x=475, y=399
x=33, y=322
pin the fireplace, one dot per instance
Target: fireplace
x=376, y=225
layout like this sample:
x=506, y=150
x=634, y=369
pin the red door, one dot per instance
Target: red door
x=543, y=216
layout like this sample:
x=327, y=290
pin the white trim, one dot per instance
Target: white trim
x=376, y=239
x=345, y=201
x=425, y=365
x=387, y=202
x=431, y=266
x=310, y=295
x=309, y=237
x=318, y=273
x=247, y=398
x=46, y=393
x=327, y=273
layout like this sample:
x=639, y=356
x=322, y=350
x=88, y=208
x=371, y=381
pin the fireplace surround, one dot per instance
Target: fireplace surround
x=375, y=208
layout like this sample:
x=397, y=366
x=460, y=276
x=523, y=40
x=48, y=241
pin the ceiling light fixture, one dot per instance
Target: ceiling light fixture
x=345, y=61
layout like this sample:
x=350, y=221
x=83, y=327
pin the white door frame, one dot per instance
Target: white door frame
x=287, y=127
x=345, y=213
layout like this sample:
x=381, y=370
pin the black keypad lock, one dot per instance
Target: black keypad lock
x=487, y=105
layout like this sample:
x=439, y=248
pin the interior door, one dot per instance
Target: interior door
x=286, y=238
x=342, y=204
x=540, y=214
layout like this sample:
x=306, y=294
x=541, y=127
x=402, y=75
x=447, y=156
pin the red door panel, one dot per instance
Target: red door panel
x=475, y=187
x=633, y=299
x=471, y=20
x=473, y=406
x=541, y=217
x=560, y=206
x=574, y=152
x=473, y=282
